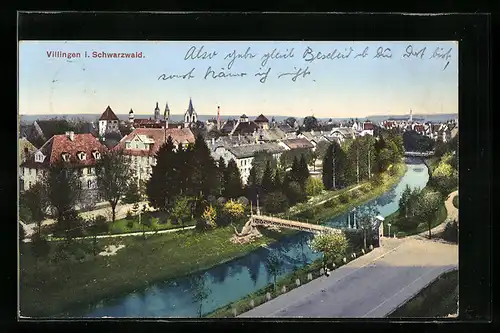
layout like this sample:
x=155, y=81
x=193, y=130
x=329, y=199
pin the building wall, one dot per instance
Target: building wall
x=31, y=176
x=108, y=126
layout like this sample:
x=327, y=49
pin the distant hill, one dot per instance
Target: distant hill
x=178, y=117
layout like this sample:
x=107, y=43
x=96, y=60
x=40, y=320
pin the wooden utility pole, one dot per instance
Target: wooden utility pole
x=357, y=163
x=333, y=166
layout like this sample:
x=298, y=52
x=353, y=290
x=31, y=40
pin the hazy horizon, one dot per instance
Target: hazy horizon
x=339, y=88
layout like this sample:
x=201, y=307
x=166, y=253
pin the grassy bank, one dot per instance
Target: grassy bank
x=455, y=201
x=439, y=299
x=395, y=220
x=58, y=285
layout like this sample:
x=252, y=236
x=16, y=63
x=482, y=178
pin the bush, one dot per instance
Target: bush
x=407, y=223
x=130, y=224
x=450, y=233
x=314, y=186
x=129, y=215
x=295, y=193
x=400, y=234
x=376, y=180
x=276, y=202
x=422, y=226
x=344, y=198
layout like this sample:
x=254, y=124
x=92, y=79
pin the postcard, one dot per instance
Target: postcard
x=248, y=179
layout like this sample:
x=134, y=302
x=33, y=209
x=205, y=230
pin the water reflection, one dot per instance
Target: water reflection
x=233, y=280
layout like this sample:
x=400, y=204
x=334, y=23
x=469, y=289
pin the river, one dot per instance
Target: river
x=234, y=280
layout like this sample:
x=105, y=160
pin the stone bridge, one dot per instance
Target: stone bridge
x=281, y=223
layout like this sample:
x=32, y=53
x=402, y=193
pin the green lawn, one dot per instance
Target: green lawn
x=122, y=226
x=439, y=299
x=56, y=287
x=455, y=201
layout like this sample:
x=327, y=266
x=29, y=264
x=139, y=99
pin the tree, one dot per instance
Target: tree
x=277, y=185
x=233, y=186
x=182, y=209
x=260, y=160
x=39, y=247
x=166, y=179
x=221, y=168
x=310, y=123
x=288, y=156
x=267, y=179
x=335, y=161
x=204, y=172
x=274, y=266
x=132, y=193
x=295, y=193
x=303, y=171
x=404, y=201
x=290, y=121
x=253, y=185
x=200, y=291
x=365, y=216
x=333, y=245
x=314, y=186
x=319, y=152
x=429, y=206
x=113, y=174
x=276, y=202
x=63, y=188
x=35, y=200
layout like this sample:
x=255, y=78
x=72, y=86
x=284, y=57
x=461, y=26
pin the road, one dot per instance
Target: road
x=372, y=286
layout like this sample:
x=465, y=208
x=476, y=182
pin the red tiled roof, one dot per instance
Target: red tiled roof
x=261, y=119
x=179, y=135
x=368, y=126
x=298, y=143
x=108, y=114
x=59, y=144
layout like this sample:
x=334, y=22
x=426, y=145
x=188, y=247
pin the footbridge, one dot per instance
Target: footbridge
x=263, y=220
x=418, y=154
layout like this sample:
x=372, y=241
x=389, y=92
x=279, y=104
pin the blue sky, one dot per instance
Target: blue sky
x=351, y=87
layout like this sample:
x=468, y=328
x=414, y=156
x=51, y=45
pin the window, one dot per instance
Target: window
x=26, y=150
x=65, y=157
x=89, y=184
x=127, y=145
x=39, y=157
x=29, y=185
x=82, y=156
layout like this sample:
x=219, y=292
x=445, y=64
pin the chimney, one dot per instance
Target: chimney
x=71, y=135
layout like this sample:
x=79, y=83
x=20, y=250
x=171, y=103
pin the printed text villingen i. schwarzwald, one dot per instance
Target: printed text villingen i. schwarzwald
x=94, y=54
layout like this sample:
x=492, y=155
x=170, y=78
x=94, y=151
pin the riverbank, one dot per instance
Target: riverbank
x=75, y=283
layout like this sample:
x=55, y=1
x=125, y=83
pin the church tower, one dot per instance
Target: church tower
x=166, y=115
x=190, y=117
x=157, y=113
x=131, y=117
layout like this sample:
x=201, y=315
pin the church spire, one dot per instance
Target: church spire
x=157, y=112
x=190, y=107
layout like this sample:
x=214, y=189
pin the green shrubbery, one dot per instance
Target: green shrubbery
x=450, y=232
